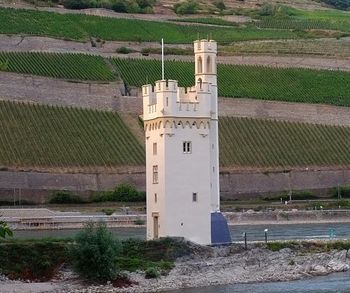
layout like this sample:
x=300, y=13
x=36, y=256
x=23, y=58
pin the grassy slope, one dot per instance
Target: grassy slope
x=46, y=136
x=295, y=85
x=81, y=27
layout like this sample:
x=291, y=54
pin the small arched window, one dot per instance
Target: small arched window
x=199, y=65
x=209, y=65
x=200, y=83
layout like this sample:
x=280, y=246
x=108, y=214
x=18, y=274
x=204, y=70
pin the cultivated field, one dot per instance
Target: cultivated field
x=69, y=66
x=293, y=85
x=46, y=136
x=58, y=137
x=82, y=27
x=259, y=143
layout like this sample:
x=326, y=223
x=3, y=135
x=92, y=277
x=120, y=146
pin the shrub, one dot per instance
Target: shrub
x=186, y=7
x=61, y=197
x=4, y=65
x=219, y=4
x=344, y=191
x=108, y=212
x=95, y=253
x=152, y=273
x=36, y=260
x=124, y=50
x=124, y=192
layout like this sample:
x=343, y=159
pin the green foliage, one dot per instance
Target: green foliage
x=152, y=273
x=208, y=20
x=123, y=193
x=32, y=260
x=69, y=66
x=48, y=136
x=344, y=191
x=296, y=195
x=186, y=7
x=219, y=4
x=264, y=143
x=139, y=222
x=276, y=246
x=310, y=246
x=95, y=253
x=130, y=6
x=64, y=196
x=5, y=230
x=83, y=27
x=124, y=50
x=108, y=212
x=246, y=81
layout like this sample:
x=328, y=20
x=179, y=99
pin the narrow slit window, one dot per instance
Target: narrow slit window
x=187, y=147
x=155, y=198
x=155, y=174
x=154, y=148
x=194, y=197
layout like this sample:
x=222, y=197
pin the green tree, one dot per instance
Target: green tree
x=95, y=252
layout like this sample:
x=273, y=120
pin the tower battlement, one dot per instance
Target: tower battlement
x=201, y=46
x=167, y=99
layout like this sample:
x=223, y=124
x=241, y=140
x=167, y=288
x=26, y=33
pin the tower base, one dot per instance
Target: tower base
x=220, y=233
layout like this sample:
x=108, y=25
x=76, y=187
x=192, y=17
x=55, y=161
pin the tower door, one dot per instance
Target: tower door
x=155, y=226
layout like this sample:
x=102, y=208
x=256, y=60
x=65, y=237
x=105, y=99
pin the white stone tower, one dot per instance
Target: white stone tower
x=182, y=153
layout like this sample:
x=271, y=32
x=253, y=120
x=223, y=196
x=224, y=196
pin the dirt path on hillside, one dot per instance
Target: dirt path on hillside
x=45, y=44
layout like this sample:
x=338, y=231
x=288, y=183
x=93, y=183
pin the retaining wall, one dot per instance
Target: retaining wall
x=36, y=187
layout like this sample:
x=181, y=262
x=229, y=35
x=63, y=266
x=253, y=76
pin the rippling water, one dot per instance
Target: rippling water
x=338, y=282
x=254, y=232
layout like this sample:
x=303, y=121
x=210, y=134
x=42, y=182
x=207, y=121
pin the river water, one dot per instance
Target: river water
x=254, y=232
x=338, y=282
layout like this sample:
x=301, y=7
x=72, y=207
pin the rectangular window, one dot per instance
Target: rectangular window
x=154, y=148
x=155, y=174
x=194, y=196
x=187, y=147
x=155, y=198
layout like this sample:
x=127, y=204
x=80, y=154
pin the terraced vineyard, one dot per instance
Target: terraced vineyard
x=81, y=27
x=57, y=137
x=46, y=136
x=70, y=66
x=256, y=143
x=294, y=85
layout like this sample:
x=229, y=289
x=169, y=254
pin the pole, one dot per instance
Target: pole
x=245, y=240
x=266, y=235
x=162, y=59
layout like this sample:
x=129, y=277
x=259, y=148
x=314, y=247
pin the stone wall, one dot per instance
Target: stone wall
x=102, y=96
x=36, y=187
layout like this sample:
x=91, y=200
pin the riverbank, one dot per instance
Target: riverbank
x=278, y=261
x=45, y=219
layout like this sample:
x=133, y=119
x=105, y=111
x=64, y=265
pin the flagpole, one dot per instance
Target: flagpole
x=162, y=59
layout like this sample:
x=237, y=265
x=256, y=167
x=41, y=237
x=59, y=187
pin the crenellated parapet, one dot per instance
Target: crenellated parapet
x=166, y=99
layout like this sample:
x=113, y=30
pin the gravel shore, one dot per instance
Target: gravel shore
x=217, y=266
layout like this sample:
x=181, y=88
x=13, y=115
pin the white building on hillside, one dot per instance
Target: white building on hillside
x=182, y=155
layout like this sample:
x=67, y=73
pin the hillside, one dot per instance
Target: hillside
x=44, y=137
x=236, y=81
x=55, y=137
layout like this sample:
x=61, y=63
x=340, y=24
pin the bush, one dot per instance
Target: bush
x=124, y=50
x=344, y=191
x=152, y=273
x=61, y=197
x=95, y=253
x=186, y=7
x=36, y=260
x=123, y=193
x=219, y=4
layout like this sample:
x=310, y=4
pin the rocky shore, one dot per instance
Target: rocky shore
x=211, y=266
